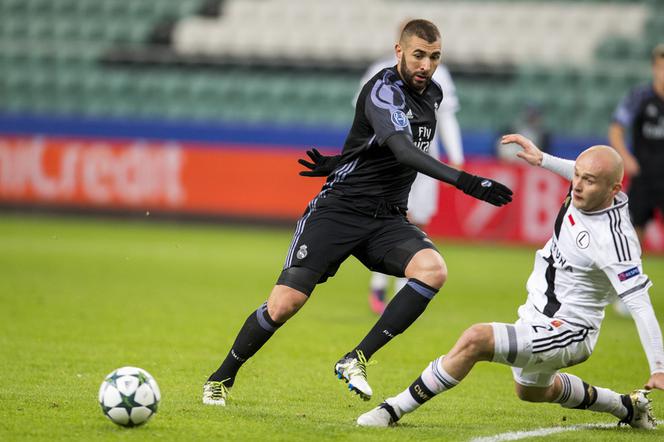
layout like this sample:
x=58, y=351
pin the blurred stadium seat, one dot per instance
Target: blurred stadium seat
x=299, y=61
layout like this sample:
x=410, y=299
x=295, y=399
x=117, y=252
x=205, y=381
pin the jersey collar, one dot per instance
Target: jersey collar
x=619, y=201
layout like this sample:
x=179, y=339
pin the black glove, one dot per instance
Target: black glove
x=322, y=165
x=484, y=189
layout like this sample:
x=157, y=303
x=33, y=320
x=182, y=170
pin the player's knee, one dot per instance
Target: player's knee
x=438, y=275
x=477, y=341
x=284, y=302
x=429, y=267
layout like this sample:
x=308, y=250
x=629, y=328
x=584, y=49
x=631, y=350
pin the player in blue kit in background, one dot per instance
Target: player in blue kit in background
x=641, y=113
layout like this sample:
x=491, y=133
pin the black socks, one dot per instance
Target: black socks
x=400, y=313
x=256, y=331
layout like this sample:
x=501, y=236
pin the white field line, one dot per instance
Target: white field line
x=516, y=435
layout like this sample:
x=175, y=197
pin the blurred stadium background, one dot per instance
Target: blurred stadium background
x=201, y=107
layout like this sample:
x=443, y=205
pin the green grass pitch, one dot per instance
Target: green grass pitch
x=79, y=298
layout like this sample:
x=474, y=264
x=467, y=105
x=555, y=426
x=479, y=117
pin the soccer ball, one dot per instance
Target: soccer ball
x=129, y=396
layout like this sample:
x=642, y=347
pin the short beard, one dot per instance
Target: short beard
x=408, y=77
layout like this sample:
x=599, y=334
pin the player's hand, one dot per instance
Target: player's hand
x=656, y=381
x=484, y=189
x=632, y=167
x=530, y=153
x=322, y=165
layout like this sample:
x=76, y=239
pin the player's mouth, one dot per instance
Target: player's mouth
x=420, y=78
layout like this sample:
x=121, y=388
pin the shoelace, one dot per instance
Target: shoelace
x=361, y=366
x=219, y=390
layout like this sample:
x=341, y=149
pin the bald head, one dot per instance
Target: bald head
x=606, y=161
x=598, y=173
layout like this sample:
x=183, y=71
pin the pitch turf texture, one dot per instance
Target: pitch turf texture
x=79, y=298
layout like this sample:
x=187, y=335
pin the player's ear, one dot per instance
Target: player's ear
x=617, y=187
x=398, y=50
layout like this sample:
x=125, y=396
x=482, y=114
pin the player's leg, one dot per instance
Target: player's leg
x=313, y=256
x=396, y=248
x=426, y=273
x=641, y=205
x=475, y=344
x=378, y=291
x=257, y=329
x=570, y=391
x=539, y=349
x=422, y=206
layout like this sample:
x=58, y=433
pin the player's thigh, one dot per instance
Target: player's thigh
x=537, y=349
x=423, y=200
x=391, y=247
x=323, y=239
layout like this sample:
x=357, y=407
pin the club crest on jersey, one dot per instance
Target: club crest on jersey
x=399, y=118
x=583, y=240
x=302, y=252
x=627, y=274
x=556, y=323
x=651, y=111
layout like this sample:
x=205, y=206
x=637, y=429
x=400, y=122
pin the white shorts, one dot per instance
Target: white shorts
x=537, y=349
x=423, y=200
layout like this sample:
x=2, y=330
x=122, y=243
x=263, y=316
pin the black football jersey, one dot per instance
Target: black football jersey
x=642, y=111
x=385, y=106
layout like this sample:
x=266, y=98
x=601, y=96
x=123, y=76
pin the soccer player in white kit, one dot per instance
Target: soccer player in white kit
x=593, y=255
x=423, y=198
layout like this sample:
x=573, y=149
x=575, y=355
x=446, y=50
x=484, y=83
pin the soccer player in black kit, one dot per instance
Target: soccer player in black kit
x=361, y=211
x=641, y=112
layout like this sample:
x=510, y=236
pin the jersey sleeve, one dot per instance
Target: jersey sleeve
x=627, y=278
x=627, y=108
x=650, y=333
x=384, y=109
x=620, y=260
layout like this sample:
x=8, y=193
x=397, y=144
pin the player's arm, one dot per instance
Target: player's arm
x=650, y=334
x=534, y=156
x=481, y=188
x=622, y=118
x=617, y=141
x=631, y=285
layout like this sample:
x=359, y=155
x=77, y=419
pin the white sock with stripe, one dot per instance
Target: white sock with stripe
x=433, y=380
x=577, y=394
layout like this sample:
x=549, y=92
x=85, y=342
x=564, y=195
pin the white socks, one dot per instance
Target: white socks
x=577, y=394
x=433, y=380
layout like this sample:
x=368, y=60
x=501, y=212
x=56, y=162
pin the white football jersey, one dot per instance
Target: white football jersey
x=591, y=257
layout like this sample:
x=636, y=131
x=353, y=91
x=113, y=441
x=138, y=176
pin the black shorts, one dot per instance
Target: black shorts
x=332, y=229
x=644, y=198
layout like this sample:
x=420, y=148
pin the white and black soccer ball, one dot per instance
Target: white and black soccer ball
x=129, y=396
